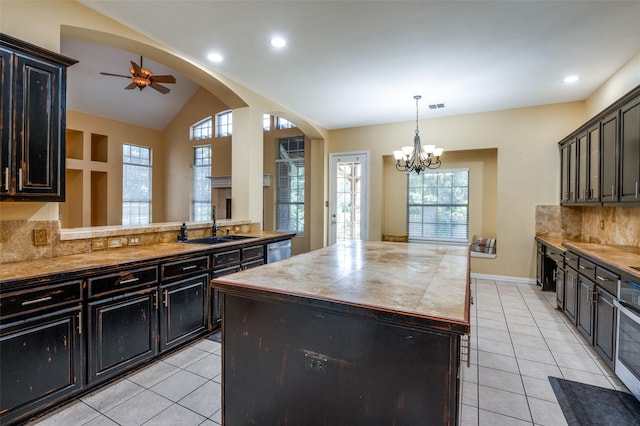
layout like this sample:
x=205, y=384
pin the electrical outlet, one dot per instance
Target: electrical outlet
x=100, y=244
x=115, y=242
x=40, y=237
x=134, y=241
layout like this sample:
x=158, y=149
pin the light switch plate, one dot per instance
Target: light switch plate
x=40, y=237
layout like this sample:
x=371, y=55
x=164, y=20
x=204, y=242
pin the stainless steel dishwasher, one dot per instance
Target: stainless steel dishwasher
x=278, y=251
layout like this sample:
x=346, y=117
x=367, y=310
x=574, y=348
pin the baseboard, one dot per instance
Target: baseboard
x=504, y=278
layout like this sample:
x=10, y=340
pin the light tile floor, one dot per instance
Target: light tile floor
x=518, y=339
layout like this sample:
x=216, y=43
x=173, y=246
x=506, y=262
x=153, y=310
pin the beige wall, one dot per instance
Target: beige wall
x=527, y=172
x=117, y=133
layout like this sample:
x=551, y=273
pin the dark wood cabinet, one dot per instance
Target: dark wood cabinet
x=122, y=333
x=185, y=310
x=571, y=293
x=33, y=144
x=605, y=326
x=586, y=299
x=568, y=171
x=41, y=349
x=560, y=288
x=630, y=151
x=609, y=157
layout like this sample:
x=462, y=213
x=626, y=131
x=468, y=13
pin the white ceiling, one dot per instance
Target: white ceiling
x=353, y=63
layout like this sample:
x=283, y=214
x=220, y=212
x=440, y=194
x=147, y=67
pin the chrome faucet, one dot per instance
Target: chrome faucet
x=215, y=228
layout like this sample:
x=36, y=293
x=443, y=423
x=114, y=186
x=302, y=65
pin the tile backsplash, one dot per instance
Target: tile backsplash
x=599, y=224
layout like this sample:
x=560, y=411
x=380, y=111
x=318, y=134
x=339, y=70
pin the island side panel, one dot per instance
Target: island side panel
x=287, y=363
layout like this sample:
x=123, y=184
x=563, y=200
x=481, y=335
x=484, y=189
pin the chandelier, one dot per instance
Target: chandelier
x=417, y=158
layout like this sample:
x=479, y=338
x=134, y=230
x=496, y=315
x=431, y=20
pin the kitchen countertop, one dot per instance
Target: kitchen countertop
x=39, y=268
x=418, y=281
x=616, y=257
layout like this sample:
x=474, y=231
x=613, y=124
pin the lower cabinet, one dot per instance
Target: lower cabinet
x=122, y=333
x=606, y=317
x=560, y=290
x=42, y=361
x=185, y=310
x=586, y=294
x=571, y=293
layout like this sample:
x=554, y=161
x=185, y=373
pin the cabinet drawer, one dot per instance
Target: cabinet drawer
x=607, y=279
x=253, y=252
x=226, y=258
x=226, y=271
x=252, y=263
x=39, y=298
x=183, y=267
x=571, y=259
x=557, y=256
x=586, y=268
x=122, y=280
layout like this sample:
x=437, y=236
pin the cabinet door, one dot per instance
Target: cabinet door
x=560, y=288
x=39, y=133
x=122, y=333
x=630, y=152
x=610, y=158
x=185, y=310
x=41, y=362
x=571, y=294
x=582, y=169
x=593, y=183
x=568, y=181
x=605, y=328
x=586, y=297
x=5, y=116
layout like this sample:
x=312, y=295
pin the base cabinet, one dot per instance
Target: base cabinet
x=41, y=362
x=122, y=333
x=605, y=326
x=571, y=294
x=185, y=310
x=586, y=291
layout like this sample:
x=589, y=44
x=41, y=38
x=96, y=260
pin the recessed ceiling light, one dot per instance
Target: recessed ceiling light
x=571, y=79
x=278, y=42
x=214, y=57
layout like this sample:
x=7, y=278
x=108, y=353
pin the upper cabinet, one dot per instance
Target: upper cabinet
x=33, y=110
x=600, y=162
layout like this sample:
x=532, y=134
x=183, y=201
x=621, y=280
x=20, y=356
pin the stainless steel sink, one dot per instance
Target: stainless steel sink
x=218, y=240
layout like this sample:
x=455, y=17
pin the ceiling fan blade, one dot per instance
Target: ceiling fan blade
x=136, y=68
x=115, y=75
x=131, y=86
x=161, y=89
x=163, y=79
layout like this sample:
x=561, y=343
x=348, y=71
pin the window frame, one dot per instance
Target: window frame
x=197, y=204
x=224, y=124
x=126, y=203
x=283, y=123
x=453, y=237
x=204, y=124
x=292, y=184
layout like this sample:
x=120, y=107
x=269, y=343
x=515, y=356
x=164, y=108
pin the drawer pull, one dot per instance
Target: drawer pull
x=129, y=281
x=598, y=277
x=31, y=302
x=582, y=267
x=186, y=268
x=80, y=323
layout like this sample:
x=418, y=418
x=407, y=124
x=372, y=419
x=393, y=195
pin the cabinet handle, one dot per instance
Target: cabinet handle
x=186, y=268
x=31, y=302
x=636, y=189
x=80, y=323
x=6, y=179
x=20, y=179
x=129, y=281
x=155, y=300
x=582, y=267
x=598, y=277
x=166, y=298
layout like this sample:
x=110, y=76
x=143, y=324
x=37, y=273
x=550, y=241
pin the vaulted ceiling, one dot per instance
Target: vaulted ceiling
x=354, y=63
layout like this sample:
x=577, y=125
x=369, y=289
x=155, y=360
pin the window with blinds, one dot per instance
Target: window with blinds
x=438, y=206
x=202, y=129
x=136, y=185
x=201, y=203
x=290, y=185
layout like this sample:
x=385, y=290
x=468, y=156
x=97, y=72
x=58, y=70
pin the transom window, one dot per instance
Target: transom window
x=438, y=206
x=224, y=121
x=266, y=122
x=290, y=185
x=282, y=123
x=136, y=185
x=201, y=203
x=202, y=129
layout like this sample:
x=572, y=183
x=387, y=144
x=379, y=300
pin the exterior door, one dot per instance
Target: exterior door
x=348, y=215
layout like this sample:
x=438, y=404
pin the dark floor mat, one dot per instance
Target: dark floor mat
x=584, y=404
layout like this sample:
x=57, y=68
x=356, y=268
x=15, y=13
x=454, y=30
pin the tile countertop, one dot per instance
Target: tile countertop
x=416, y=281
x=617, y=257
x=32, y=269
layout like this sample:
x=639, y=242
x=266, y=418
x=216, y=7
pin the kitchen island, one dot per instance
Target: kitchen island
x=359, y=333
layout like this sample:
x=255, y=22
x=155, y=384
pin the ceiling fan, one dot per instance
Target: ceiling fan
x=142, y=77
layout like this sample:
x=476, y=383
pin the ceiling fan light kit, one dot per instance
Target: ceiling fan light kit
x=142, y=77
